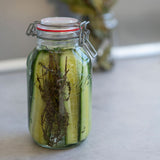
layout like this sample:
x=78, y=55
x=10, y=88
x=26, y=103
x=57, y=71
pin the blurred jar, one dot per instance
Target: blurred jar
x=103, y=37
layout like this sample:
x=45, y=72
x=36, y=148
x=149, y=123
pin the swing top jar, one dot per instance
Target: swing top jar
x=59, y=82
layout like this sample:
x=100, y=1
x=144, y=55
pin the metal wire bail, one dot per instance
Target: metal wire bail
x=31, y=30
x=84, y=39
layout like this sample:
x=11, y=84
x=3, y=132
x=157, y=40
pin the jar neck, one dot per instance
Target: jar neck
x=51, y=44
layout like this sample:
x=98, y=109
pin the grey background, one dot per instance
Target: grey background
x=138, y=22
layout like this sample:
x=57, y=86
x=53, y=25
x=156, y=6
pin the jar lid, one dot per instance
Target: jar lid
x=62, y=28
x=59, y=24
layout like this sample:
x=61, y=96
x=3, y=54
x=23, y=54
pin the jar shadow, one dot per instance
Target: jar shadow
x=22, y=145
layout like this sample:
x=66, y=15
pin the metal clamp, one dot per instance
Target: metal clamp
x=84, y=39
x=31, y=30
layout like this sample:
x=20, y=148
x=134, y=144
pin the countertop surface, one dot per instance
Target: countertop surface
x=126, y=116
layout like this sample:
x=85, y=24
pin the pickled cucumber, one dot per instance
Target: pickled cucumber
x=59, y=97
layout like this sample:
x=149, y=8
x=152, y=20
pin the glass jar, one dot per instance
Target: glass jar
x=59, y=82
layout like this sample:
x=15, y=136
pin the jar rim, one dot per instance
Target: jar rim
x=59, y=24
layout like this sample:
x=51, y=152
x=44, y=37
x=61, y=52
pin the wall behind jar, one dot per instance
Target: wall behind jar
x=15, y=16
x=138, y=22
